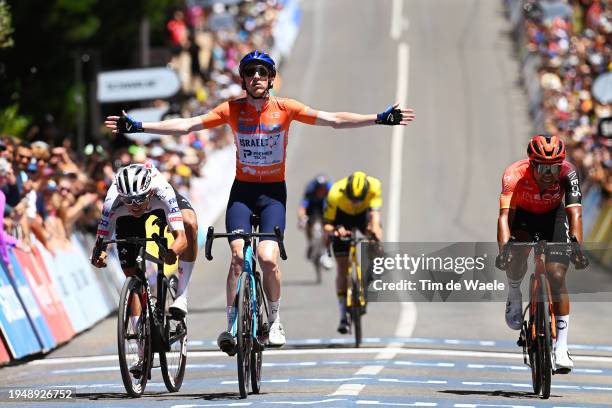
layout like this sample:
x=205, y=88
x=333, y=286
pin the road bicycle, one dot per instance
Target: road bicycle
x=251, y=326
x=356, y=300
x=156, y=330
x=539, y=324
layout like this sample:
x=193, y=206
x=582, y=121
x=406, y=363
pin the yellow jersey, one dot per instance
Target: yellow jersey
x=338, y=201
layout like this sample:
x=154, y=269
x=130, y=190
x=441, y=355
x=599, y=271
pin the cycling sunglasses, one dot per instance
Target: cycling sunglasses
x=553, y=169
x=257, y=69
x=136, y=200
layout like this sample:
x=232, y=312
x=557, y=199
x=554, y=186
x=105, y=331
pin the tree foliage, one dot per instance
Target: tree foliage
x=38, y=73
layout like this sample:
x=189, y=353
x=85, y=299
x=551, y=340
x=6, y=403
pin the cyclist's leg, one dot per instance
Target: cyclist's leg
x=188, y=257
x=341, y=249
x=271, y=205
x=522, y=228
x=557, y=261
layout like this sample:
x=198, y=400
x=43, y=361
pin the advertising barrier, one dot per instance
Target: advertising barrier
x=15, y=326
x=4, y=355
x=67, y=287
x=30, y=305
x=45, y=294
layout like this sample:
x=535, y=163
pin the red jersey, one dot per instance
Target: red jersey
x=520, y=190
x=260, y=136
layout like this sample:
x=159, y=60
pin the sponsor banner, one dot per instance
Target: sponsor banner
x=4, y=355
x=466, y=272
x=89, y=294
x=30, y=304
x=104, y=294
x=45, y=294
x=66, y=286
x=16, y=328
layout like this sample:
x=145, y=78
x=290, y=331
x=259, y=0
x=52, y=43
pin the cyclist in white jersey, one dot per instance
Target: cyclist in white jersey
x=138, y=191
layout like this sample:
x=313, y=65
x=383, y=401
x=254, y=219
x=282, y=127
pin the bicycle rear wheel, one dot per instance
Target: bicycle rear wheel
x=133, y=343
x=356, y=310
x=172, y=362
x=257, y=352
x=244, y=336
x=546, y=337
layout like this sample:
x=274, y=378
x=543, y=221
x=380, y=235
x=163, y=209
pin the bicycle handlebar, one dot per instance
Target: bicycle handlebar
x=163, y=249
x=574, y=245
x=211, y=235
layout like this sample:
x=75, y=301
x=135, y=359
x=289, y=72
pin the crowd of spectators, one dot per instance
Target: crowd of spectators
x=48, y=190
x=573, y=39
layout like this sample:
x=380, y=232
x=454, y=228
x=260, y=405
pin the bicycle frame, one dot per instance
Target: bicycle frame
x=353, y=261
x=249, y=267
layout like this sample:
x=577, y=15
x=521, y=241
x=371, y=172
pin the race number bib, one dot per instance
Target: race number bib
x=261, y=149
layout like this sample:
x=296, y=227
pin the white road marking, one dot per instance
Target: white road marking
x=214, y=404
x=396, y=20
x=336, y=351
x=397, y=404
x=416, y=364
x=370, y=370
x=490, y=405
x=306, y=402
x=397, y=380
x=348, y=389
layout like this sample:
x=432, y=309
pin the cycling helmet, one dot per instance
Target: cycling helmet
x=321, y=180
x=258, y=57
x=546, y=149
x=133, y=180
x=357, y=186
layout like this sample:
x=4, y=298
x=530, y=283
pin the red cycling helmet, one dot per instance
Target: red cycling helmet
x=546, y=149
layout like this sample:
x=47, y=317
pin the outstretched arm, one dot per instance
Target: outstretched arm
x=173, y=127
x=394, y=115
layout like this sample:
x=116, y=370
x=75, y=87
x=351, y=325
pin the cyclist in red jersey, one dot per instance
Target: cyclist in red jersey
x=531, y=202
x=260, y=124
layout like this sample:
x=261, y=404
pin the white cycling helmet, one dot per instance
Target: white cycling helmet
x=133, y=180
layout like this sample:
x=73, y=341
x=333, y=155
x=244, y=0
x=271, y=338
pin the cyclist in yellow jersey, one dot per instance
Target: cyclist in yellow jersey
x=354, y=201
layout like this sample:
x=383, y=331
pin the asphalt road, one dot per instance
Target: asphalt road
x=452, y=61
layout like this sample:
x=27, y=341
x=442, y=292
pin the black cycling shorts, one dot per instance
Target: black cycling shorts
x=130, y=226
x=267, y=200
x=359, y=221
x=551, y=227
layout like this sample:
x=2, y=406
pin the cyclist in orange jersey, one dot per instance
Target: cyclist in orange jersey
x=260, y=124
x=531, y=202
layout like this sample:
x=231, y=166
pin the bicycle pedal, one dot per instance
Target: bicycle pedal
x=258, y=345
x=521, y=342
x=176, y=314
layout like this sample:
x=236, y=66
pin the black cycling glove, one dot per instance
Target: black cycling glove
x=127, y=124
x=391, y=116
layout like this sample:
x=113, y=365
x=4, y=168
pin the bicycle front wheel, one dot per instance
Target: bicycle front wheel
x=356, y=311
x=173, y=361
x=257, y=352
x=546, y=337
x=244, y=333
x=133, y=337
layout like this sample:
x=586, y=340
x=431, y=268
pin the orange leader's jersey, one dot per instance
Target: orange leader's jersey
x=260, y=137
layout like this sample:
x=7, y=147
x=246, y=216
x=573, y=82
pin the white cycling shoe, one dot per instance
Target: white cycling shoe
x=179, y=306
x=563, y=361
x=276, y=338
x=514, y=312
x=326, y=261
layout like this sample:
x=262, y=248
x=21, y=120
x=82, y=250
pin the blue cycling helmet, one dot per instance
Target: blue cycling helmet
x=260, y=58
